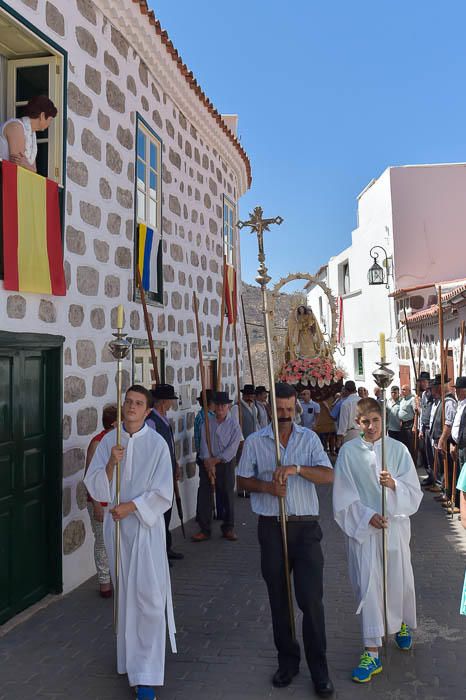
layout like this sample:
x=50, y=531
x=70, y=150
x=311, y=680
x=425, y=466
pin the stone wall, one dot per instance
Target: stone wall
x=252, y=299
x=108, y=83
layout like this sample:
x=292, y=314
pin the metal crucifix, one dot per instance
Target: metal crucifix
x=258, y=225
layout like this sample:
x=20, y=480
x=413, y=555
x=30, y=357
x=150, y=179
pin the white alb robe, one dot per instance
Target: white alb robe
x=357, y=496
x=145, y=590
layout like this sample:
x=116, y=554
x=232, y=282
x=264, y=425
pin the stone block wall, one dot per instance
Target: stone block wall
x=108, y=83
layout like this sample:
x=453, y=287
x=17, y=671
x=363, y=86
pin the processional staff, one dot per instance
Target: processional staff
x=383, y=378
x=119, y=348
x=258, y=225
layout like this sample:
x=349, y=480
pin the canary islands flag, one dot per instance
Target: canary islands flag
x=32, y=245
x=148, y=246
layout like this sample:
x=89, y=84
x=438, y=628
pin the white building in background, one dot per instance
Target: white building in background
x=418, y=215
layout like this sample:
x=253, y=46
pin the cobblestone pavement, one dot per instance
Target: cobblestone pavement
x=66, y=651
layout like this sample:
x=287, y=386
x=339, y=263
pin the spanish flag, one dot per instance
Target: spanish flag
x=231, y=300
x=148, y=246
x=32, y=245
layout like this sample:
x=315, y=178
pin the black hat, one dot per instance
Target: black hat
x=437, y=380
x=425, y=375
x=460, y=383
x=248, y=389
x=164, y=391
x=210, y=393
x=222, y=398
x=261, y=390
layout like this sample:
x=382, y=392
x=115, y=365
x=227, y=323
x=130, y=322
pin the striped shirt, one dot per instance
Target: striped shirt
x=224, y=438
x=198, y=423
x=258, y=462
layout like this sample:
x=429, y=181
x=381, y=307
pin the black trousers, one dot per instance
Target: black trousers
x=225, y=484
x=306, y=563
x=395, y=434
x=168, y=535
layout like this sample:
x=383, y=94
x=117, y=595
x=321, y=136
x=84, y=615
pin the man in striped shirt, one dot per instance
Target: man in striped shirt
x=305, y=464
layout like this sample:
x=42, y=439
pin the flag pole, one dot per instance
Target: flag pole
x=204, y=398
x=156, y=376
x=442, y=384
x=248, y=345
x=119, y=348
x=222, y=325
x=258, y=225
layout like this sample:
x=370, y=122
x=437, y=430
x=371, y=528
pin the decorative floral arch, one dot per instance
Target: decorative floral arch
x=327, y=291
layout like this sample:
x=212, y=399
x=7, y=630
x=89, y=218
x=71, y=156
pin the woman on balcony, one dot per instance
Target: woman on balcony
x=18, y=141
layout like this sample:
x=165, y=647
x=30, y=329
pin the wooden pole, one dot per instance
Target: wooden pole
x=246, y=333
x=155, y=369
x=238, y=385
x=204, y=396
x=460, y=368
x=222, y=324
x=442, y=380
x=419, y=393
x=410, y=346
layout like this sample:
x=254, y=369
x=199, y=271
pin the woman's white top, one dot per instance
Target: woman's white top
x=30, y=148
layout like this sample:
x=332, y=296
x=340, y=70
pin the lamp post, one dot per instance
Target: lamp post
x=376, y=274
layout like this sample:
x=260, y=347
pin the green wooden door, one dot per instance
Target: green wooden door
x=28, y=477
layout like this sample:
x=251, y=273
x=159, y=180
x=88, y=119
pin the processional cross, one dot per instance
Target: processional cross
x=258, y=225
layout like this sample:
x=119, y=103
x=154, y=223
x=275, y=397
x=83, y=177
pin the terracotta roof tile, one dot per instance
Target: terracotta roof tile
x=432, y=311
x=192, y=82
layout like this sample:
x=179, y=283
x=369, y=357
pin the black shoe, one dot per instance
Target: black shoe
x=174, y=555
x=283, y=678
x=324, y=689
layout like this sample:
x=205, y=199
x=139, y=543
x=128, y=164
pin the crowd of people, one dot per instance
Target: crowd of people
x=236, y=450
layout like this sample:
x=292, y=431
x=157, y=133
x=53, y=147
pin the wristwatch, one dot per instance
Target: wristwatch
x=298, y=469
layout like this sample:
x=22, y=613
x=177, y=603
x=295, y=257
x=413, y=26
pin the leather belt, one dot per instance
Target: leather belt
x=293, y=518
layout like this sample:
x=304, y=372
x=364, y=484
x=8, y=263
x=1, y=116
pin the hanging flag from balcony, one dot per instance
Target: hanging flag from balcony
x=148, y=245
x=32, y=245
x=231, y=297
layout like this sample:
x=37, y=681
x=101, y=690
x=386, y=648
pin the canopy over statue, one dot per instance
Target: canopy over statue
x=304, y=338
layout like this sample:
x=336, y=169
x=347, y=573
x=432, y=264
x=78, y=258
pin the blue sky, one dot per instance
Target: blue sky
x=328, y=94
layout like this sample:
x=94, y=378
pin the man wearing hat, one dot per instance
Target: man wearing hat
x=264, y=414
x=164, y=396
x=441, y=434
x=247, y=405
x=198, y=423
x=218, y=464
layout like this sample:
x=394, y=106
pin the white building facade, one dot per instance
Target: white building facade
x=135, y=141
x=416, y=214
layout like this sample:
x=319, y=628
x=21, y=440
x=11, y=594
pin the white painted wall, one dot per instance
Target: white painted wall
x=429, y=222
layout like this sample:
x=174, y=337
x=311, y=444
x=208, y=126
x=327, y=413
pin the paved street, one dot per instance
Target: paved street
x=66, y=651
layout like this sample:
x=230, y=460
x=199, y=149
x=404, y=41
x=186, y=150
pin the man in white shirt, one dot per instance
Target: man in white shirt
x=347, y=425
x=311, y=409
x=458, y=430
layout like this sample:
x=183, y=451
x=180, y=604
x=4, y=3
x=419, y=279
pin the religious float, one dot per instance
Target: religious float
x=307, y=357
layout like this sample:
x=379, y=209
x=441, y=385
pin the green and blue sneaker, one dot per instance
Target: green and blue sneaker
x=368, y=666
x=403, y=638
x=145, y=692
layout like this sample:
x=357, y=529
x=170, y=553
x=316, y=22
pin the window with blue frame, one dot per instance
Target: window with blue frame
x=148, y=204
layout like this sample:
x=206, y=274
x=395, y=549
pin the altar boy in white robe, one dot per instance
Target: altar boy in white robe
x=145, y=603
x=357, y=505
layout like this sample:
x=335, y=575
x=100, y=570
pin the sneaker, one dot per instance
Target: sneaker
x=145, y=692
x=368, y=667
x=403, y=638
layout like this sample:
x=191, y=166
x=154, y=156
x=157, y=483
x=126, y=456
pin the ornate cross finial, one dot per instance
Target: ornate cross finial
x=258, y=225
